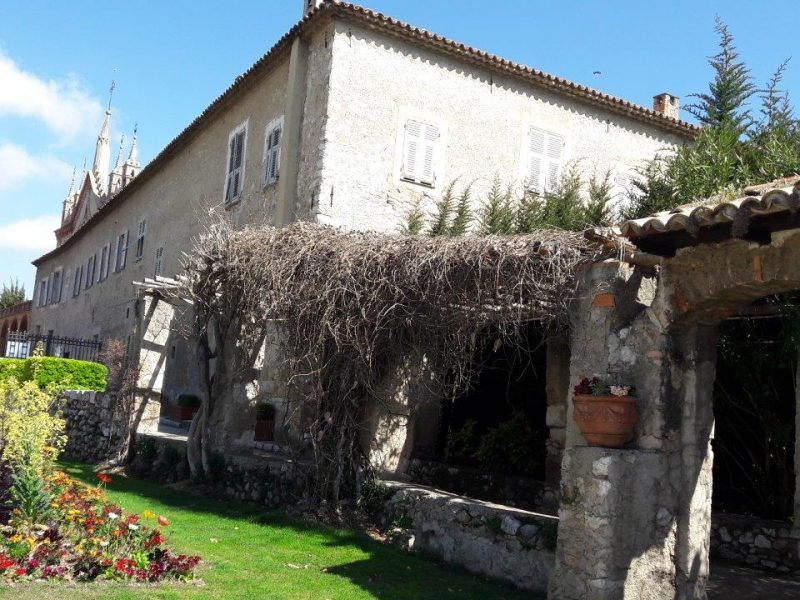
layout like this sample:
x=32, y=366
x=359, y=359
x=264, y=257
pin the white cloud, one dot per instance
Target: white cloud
x=64, y=106
x=18, y=166
x=33, y=234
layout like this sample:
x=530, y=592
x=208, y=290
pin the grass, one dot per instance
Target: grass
x=251, y=553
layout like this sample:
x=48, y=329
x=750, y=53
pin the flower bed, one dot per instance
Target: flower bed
x=81, y=536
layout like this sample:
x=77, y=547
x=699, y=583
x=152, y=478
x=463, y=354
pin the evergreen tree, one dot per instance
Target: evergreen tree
x=462, y=217
x=725, y=103
x=415, y=221
x=12, y=294
x=444, y=211
x=497, y=213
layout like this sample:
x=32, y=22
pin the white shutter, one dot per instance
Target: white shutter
x=159, y=261
x=411, y=149
x=430, y=138
x=545, y=155
x=419, y=152
x=536, y=146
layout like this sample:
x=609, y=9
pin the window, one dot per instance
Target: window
x=159, y=261
x=104, y=260
x=91, y=266
x=42, y=292
x=78, y=281
x=140, y=239
x=543, y=167
x=272, y=151
x=55, y=288
x=122, y=252
x=420, y=152
x=235, y=176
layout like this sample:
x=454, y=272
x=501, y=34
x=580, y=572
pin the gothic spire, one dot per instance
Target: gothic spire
x=133, y=157
x=119, y=162
x=102, y=153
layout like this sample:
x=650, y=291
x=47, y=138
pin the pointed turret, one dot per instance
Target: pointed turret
x=132, y=166
x=115, y=180
x=69, y=200
x=102, y=154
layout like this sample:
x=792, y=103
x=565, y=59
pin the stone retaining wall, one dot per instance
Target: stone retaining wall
x=264, y=478
x=761, y=543
x=92, y=435
x=518, y=492
x=497, y=541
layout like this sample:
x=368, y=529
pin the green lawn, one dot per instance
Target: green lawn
x=251, y=553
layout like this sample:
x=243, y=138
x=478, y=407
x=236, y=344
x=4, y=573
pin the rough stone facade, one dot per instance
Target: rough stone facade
x=517, y=492
x=760, y=543
x=497, y=541
x=636, y=522
x=93, y=433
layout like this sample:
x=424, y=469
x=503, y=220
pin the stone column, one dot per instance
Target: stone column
x=634, y=522
x=151, y=337
x=557, y=376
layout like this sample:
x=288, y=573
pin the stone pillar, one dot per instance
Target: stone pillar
x=557, y=386
x=635, y=522
x=152, y=331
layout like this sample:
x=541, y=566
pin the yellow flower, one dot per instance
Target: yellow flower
x=148, y=514
x=15, y=539
x=31, y=541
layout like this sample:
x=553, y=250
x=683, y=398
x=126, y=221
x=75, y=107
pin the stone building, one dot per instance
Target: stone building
x=351, y=119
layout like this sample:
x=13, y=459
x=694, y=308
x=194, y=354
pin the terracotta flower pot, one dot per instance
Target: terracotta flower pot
x=606, y=421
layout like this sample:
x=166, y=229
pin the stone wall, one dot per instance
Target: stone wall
x=762, y=543
x=497, y=541
x=265, y=478
x=518, y=492
x=92, y=434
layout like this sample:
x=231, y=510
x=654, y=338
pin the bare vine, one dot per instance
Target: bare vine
x=348, y=307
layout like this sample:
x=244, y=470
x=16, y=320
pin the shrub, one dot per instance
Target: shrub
x=12, y=367
x=66, y=373
x=511, y=447
x=28, y=415
x=462, y=443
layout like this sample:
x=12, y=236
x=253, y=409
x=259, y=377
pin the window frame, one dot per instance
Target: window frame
x=272, y=154
x=158, y=263
x=546, y=183
x=122, y=252
x=140, y=238
x=77, y=282
x=57, y=286
x=229, y=170
x=415, y=175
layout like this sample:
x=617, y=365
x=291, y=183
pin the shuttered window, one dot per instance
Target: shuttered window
x=159, y=262
x=55, y=292
x=236, y=148
x=545, y=155
x=91, y=266
x=122, y=252
x=272, y=152
x=420, y=147
x=76, y=284
x=105, y=258
x=140, y=238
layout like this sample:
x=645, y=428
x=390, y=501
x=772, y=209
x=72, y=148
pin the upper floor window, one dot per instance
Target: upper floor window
x=105, y=258
x=272, y=151
x=420, y=152
x=42, y=293
x=55, y=287
x=122, y=252
x=234, y=179
x=140, y=238
x=78, y=281
x=544, y=159
x=91, y=267
x=159, y=262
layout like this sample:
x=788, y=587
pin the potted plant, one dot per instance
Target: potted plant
x=186, y=407
x=605, y=414
x=265, y=422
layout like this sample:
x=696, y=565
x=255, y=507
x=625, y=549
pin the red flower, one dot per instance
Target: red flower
x=20, y=571
x=5, y=563
x=104, y=477
x=163, y=521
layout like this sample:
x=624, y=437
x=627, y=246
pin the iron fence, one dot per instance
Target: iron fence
x=20, y=344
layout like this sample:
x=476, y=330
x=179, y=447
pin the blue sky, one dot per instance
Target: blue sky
x=170, y=59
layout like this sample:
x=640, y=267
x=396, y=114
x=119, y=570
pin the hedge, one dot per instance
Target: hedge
x=65, y=373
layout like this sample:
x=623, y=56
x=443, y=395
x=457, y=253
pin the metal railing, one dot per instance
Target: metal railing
x=21, y=344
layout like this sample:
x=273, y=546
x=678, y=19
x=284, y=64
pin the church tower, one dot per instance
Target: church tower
x=115, y=179
x=102, y=155
x=132, y=167
x=310, y=5
x=69, y=201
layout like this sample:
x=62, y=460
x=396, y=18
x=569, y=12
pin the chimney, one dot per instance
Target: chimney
x=310, y=5
x=667, y=105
